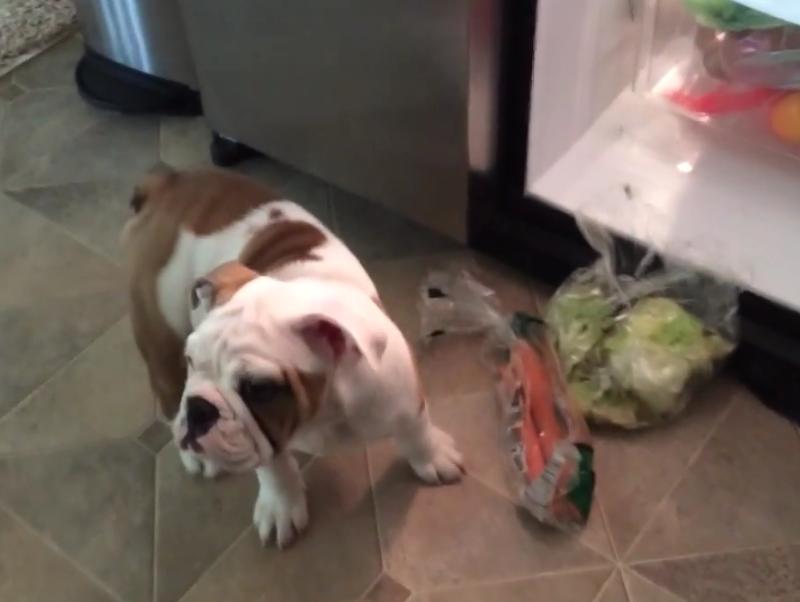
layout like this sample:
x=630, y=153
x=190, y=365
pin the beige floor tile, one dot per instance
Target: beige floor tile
x=198, y=519
x=51, y=136
x=55, y=67
x=337, y=559
x=95, y=504
x=156, y=436
x=8, y=92
x=93, y=212
x=614, y=590
x=31, y=571
x=57, y=298
x=580, y=586
x=39, y=123
x=449, y=365
x=101, y=395
x=741, y=492
x=115, y=147
x=636, y=470
x=8, y=89
x=752, y=576
x=474, y=421
x=386, y=589
x=373, y=232
x=644, y=590
x=441, y=537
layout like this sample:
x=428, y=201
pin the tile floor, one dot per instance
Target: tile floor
x=94, y=505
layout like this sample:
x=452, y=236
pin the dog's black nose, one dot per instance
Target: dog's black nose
x=201, y=415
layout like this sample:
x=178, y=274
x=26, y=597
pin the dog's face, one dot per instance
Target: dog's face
x=259, y=365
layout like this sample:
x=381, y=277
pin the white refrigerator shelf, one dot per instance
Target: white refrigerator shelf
x=689, y=191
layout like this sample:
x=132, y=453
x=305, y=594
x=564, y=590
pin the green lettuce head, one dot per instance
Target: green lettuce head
x=727, y=15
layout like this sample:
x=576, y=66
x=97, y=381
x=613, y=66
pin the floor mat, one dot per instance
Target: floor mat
x=27, y=27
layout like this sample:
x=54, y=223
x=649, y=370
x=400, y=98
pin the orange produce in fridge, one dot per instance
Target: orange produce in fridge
x=785, y=118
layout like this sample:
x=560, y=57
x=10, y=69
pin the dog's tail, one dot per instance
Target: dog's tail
x=157, y=178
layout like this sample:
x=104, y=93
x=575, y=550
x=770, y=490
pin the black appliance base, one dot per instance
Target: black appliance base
x=226, y=152
x=113, y=86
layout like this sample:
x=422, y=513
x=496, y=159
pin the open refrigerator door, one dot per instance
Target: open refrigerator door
x=688, y=144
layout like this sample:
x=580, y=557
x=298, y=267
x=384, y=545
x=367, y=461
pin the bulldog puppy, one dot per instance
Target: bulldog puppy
x=263, y=335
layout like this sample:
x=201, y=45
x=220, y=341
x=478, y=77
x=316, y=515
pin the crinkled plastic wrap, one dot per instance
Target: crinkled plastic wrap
x=743, y=77
x=637, y=338
x=549, y=448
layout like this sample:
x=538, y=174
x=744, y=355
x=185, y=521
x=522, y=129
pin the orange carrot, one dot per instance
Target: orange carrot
x=540, y=396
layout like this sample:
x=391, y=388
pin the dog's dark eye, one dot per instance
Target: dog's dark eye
x=257, y=391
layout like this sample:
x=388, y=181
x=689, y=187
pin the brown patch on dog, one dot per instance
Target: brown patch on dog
x=202, y=201
x=299, y=402
x=279, y=243
x=223, y=281
x=165, y=202
x=275, y=214
x=310, y=391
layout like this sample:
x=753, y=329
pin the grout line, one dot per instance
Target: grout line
x=58, y=551
x=58, y=371
x=143, y=446
x=372, y=584
x=606, y=525
x=95, y=252
x=650, y=582
x=605, y=585
x=156, y=530
x=115, y=262
x=74, y=446
x=711, y=554
x=247, y=530
x=692, y=460
x=512, y=580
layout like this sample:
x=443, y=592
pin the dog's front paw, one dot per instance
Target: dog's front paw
x=282, y=513
x=195, y=465
x=444, y=464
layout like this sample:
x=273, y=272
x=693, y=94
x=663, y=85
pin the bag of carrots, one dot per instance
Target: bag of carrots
x=549, y=446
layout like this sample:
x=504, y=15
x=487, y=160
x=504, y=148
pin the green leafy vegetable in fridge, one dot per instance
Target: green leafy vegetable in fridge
x=727, y=15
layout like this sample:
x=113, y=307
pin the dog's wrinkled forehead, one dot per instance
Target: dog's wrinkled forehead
x=235, y=339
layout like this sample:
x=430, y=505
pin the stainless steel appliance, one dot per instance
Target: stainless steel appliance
x=137, y=58
x=389, y=99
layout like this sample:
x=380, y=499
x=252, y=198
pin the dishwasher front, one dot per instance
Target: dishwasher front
x=373, y=96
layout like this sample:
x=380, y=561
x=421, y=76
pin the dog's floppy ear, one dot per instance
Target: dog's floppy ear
x=217, y=287
x=340, y=340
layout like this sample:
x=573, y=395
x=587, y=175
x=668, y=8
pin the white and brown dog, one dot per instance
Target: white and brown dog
x=262, y=335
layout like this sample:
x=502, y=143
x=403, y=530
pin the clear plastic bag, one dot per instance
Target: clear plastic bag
x=549, y=446
x=636, y=336
x=733, y=68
